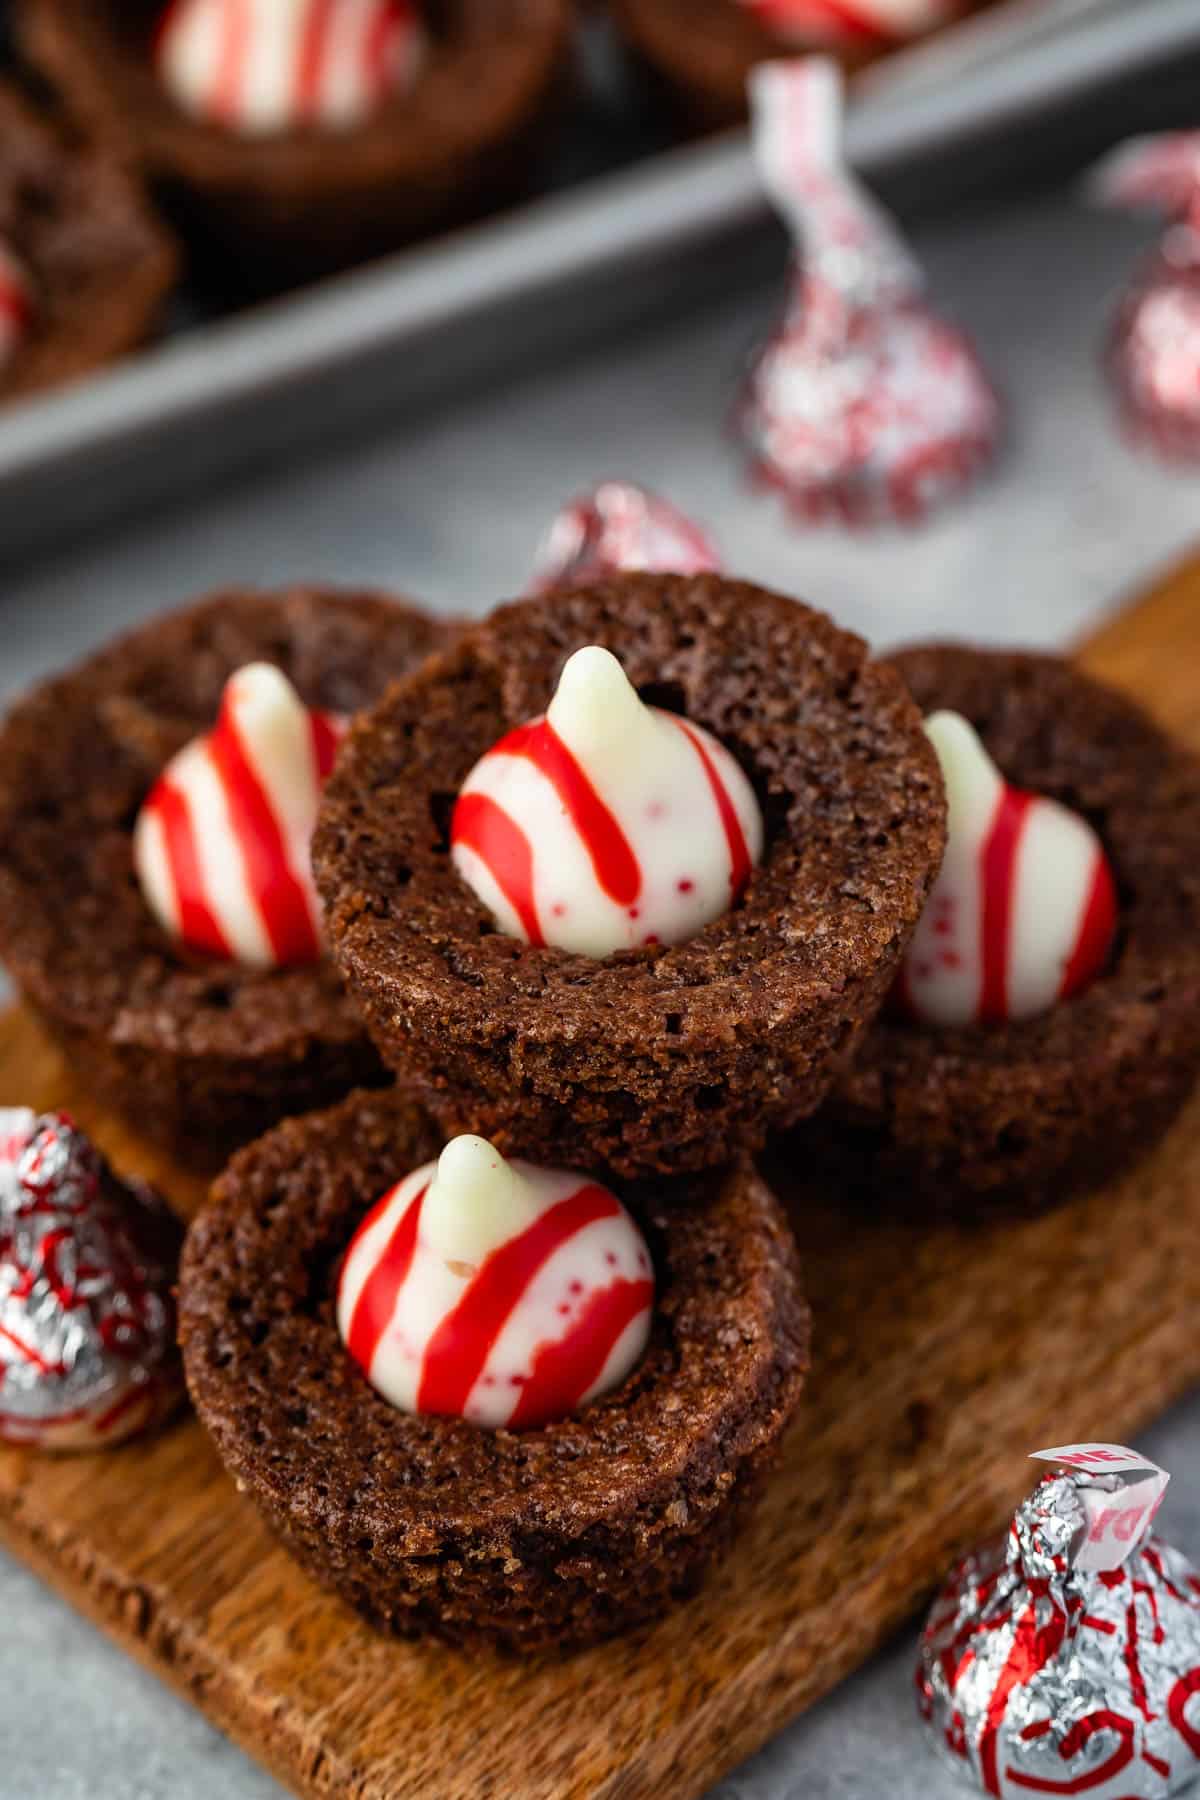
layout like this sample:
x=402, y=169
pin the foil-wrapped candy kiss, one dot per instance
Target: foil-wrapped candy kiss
x=1064, y=1658
x=87, y=1319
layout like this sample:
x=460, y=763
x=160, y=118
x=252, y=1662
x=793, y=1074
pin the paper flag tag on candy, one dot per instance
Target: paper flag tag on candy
x=863, y=405
x=607, y=824
x=16, y=304
x=1024, y=911
x=87, y=1322
x=264, y=67
x=222, y=844
x=808, y=23
x=496, y=1292
x=617, y=529
x=1118, y=1517
x=1154, y=345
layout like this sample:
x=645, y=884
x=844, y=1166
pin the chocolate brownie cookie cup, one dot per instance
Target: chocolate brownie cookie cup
x=542, y=1537
x=203, y=1043
x=85, y=267
x=293, y=141
x=702, y=51
x=1020, y=1112
x=726, y=993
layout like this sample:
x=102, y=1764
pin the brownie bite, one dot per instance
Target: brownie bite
x=537, y=1539
x=1022, y=1113
x=666, y=1057
x=200, y=1053
x=99, y=264
x=278, y=208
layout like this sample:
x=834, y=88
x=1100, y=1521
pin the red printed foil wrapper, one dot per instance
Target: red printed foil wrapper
x=1154, y=346
x=863, y=405
x=87, y=1319
x=616, y=529
x=1064, y=1658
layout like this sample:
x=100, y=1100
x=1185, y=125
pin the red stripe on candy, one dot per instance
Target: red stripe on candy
x=326, y=737
x=377, y=1297
x=28, y=1352
x=735, y=837
x=459, y=1348
x=234, y=57
x=998, y=875
x=197, y=923
x=281, y=900
x=1096, y=932
x=500, y=844
x=386, y=26
x=313, y=55
x=617, y=869
x=564, y=1371
x=780, y=15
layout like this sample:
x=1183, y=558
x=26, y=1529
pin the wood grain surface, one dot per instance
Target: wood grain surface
x=942, y=1358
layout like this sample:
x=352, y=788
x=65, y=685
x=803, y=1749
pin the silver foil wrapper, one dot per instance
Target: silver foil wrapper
x=863, y=406
x=619, y=528
x=87, y=1318
x=1064, y=1658
x=1153, y=351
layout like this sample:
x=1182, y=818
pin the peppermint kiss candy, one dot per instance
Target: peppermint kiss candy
x=495, y=1292
x=221, y=846
x=262, y=67
x=16, y=304
x=616, y=529
x=865, y=22
x=607, y=823
x=1065, y=1659
x=1024, y=911
x=1154, y=348
x=863, y=405
x=87, y=1322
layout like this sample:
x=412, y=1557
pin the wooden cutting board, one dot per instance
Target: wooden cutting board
x=942, y=1359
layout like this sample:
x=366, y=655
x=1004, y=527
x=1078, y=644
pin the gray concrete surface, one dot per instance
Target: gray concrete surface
x=450, y=510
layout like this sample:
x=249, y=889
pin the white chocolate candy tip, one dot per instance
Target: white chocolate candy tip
x=594, y=696
x=475, y=1201
x=968, y=772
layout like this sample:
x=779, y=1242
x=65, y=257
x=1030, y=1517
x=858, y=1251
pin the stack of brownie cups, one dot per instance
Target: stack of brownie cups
x=617, y=882
x=519, y=942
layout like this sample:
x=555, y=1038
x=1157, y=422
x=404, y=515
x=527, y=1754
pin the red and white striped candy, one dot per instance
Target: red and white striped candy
x=1154, y=346
x=863, y=405
x=262, y=67
x=221, y=846
x=495, y=1292
x=851, y=21
x=616, y=529
x=16, y=304
x=1024, y=912
x=606, y=824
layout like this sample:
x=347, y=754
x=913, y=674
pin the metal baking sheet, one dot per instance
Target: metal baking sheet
x=223, y=394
